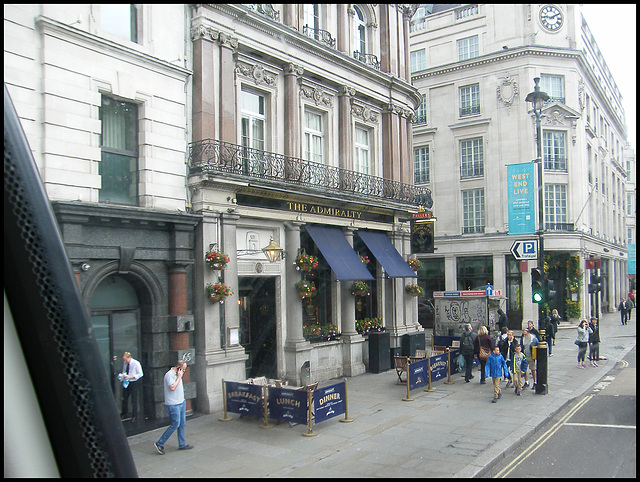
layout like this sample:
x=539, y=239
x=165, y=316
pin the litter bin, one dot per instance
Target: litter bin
x=412, y=342
x=379, y=352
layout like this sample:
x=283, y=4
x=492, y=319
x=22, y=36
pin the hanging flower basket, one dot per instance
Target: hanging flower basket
x=360, y=288
x=216, y=259
x=218, y=292
x=365, y=259
x=415, y=264
x=305, y=262
x=306, y=289
x=414, y=290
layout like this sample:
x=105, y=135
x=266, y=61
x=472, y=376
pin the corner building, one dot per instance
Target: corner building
x=474, y=65
x=301, y=134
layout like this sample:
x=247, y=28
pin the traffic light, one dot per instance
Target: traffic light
x=537, y=285
x=595, y=284
x=550, y=289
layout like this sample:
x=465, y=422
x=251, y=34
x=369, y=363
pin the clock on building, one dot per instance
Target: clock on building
x=551, y=18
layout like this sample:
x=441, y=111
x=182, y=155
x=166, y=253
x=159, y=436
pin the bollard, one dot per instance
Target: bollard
x=449, y=381
x=346, y=418
x=225, y=418
x=310, y=433
x=429, y=389
x=542, y=366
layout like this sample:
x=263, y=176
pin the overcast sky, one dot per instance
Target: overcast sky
x=614, y=28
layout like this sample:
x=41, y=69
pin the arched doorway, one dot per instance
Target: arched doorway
x=115, y=316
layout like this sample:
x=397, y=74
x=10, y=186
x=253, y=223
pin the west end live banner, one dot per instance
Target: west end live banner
x=521, y=184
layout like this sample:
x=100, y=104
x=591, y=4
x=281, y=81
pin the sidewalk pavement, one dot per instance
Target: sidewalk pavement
x=454, y=431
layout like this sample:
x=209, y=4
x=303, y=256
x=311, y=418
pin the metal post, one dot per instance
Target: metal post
x=408, y=398
x=225, y=418
x=449, y=381
x=346, y=418
x=542, y=365
x=429, y=389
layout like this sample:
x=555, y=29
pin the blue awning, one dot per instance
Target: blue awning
x=386, y=254
x=344, y=261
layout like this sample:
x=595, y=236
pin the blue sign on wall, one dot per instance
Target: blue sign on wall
x=631, y=258
x=521, y=198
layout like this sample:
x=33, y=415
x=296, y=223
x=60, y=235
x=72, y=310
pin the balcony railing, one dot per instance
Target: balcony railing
x=559, y=226
x=211, y=156
x=469, y=110
x=320, y=35
x=368, y=59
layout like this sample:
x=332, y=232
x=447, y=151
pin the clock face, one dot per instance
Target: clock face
x=551, y=18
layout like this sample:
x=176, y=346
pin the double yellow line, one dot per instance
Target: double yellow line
x=542, y=439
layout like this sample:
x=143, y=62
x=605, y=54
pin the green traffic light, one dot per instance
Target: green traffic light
x=537, y=297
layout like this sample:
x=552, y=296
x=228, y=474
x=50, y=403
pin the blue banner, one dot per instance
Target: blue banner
x=631, y=258
x=329, y=401
x=521, y=198
x=438, y=367
x=418, y=373
x=244, y=398
x=287, y=404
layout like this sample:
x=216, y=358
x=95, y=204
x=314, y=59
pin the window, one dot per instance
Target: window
x=120, y=20
x=421, y=113
x=468, y=48
x=630, y=204
x=312, y=16
x=119, y=151
x=362, y=147
x=472, y=163
x=474, y=272
x=555, y=206
x=313, y=137
x=554, y=150
x=554, y=86
x=473, y=211
x=359, y=32
x=418, y=61
x=469, y=100
x=253, y=125
x=421, y=164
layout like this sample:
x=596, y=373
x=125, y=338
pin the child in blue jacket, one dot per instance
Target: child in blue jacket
x=496, y=368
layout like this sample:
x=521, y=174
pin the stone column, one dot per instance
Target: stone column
x=343, y=34
x=345, y=130
x=227, y=99
x=292, y=121
x=390, y=143
x=352, y=341
x=203, y=102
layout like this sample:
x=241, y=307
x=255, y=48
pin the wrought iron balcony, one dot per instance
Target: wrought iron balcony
x=320, y=35
x=211, y=156
x=368, y=59
x=559, y=226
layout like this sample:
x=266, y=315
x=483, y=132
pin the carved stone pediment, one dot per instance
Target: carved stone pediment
x=256, y=72
x=559, y=115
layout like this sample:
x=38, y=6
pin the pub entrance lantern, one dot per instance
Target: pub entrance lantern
x=272, y=251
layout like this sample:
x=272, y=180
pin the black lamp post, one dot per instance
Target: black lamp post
x=537, y=99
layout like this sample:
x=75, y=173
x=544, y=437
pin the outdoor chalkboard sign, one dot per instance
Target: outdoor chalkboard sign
x=288, y=405
x=244, y=398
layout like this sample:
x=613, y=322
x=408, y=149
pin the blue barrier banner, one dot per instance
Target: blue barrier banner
x=329, y=401
x=244, y=398
x=438, y=367
x=287, y=404
x=418, y=374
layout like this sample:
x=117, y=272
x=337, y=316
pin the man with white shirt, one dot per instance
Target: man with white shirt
x=131, y=374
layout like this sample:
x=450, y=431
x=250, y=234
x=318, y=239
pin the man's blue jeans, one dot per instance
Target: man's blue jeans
x=178, y=414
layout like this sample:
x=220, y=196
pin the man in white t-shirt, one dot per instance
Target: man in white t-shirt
x=176, y=406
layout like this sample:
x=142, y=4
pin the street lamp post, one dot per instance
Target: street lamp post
x=537, y=99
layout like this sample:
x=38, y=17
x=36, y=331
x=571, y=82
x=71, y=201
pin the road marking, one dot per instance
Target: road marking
x=543, y=438
x=600, y=425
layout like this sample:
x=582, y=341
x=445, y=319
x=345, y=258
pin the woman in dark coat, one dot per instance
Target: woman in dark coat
x=483, y=339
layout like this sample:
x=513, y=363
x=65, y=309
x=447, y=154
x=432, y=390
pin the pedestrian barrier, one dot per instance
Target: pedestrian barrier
x=421, y=372
x=296, y=405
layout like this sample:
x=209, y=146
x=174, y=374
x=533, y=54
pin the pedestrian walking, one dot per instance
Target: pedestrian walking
x=582, y=341
x=176, y=406
x=532, y=329
x=622, y=308
x=555, y=319
x=503, y=321
x=496, y=368
x=467, y=341
x=507, y=349
x=550, y=334
x=130, y=376
x=518, y=367
x=528, y=341
x=594, y=342
x=631, y=303
x=481, y=345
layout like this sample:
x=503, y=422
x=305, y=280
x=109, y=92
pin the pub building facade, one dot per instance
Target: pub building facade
x=301, y=140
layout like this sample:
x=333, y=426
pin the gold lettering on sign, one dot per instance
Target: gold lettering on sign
x=324, y=211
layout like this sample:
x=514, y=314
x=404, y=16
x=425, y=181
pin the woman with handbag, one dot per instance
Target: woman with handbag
x=584, y=330
x=483, y=345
